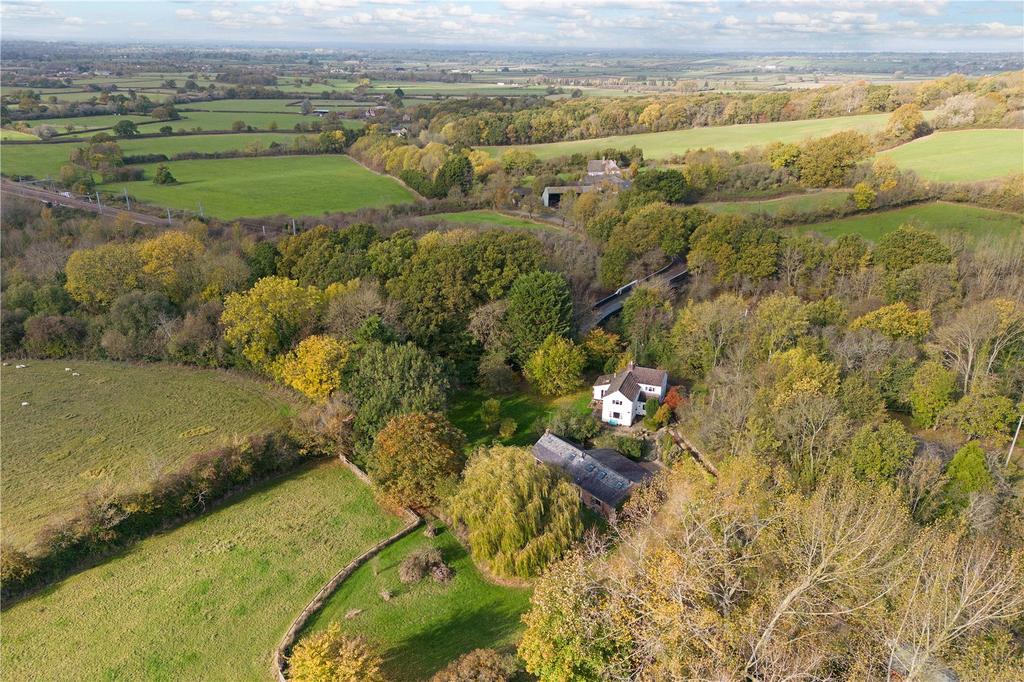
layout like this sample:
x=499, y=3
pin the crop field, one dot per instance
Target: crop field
x=291, y=185
x=45, y=160
x=105, y=440
x=425, y=624
x=963, y=155
x=489, y=218
x=799, y=203
x=206, y=601
x=527, y=409
x=978, y=224
x=728, y=138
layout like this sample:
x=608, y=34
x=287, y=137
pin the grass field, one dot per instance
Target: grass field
x=528, y=410
x=489, y=218
x=291, y=185
x=84, y=432
x=728, y=138
x=44, y=160
x=425, y=624
x=89, y=122
x=800, y=203
x=976, y=223
x=16, y=135
x=963, y=155
x=206, y=601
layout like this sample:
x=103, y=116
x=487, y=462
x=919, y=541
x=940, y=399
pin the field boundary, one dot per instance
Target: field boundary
x=413, y=520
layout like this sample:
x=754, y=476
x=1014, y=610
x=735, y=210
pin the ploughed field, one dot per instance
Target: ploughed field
x=206, y=601
x=113, y=427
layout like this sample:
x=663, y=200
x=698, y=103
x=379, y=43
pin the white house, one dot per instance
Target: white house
x=622, y=396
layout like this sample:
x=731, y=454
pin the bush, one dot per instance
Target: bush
x=419, y=564
x=163, y=176
x=507, y=428
x=53, y=336
x=634, y=448
x=479, y=665
x=332, y=655
x=569, y=423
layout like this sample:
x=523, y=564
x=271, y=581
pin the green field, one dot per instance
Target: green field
x=45, y=160
x=91, y=122
x=799, y=203
x=728, y=138
x=16, y=135
x=963, y=155
x=290, y=185
x=527, y=409
x=978, y=224
x=247, y=105
x=207, y=601
x=114, y=427
x=425, y=625
x=490, y=218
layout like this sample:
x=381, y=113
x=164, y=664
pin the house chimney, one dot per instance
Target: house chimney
x=630, y=365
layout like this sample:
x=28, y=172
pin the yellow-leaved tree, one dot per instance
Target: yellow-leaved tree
x=314, y=367
x=171, y=261
x=331, y=656
x=263, y=321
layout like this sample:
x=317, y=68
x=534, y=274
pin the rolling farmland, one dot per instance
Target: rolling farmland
x=978, y=224
x=963, y=155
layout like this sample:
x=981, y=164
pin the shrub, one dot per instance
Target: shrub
x=507, y=428
x=336, y=657
x=573, y=425
x=53, y=336
x=967, y=473
x=479, y=665
x=419, y=564
x=634, y=448
x=163, y=176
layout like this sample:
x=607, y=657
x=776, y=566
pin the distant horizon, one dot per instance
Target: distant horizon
x=718, y=26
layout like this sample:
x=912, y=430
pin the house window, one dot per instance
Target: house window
x=603, y=392
x=616, y=402
x=616, y=415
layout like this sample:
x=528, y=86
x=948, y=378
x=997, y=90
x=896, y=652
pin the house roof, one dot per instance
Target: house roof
x=605, y=474
x=628, y=380
x=562, y=189
x=602, y=166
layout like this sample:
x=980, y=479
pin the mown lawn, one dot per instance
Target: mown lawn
x=798, y=203
x=207, y=601
x=290, y=185
x=426, y=624
x=963, y=155
x=729, y=138
x=527, y=409
x=489, y=218
x=113, y=427
x=978, y=224
x=45, y=160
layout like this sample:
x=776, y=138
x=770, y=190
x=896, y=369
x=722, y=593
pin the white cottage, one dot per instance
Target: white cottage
x=622, y=396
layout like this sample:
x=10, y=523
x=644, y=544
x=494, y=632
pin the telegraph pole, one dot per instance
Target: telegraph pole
x=1013, y=443
x=127, y=201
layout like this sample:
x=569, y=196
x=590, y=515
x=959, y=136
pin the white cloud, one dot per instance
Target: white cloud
x=187, y=14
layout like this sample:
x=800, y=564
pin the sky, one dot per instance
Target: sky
x=682, y=25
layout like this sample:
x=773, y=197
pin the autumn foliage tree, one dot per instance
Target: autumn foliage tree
x=332, y=656
x=264, y=321
x=314, y=367
x=556, y=367
x=519, y=516
x=415, y=456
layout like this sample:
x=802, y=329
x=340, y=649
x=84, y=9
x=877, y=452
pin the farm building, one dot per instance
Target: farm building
x=552, y=196
x=605, y=478
x=622, y=396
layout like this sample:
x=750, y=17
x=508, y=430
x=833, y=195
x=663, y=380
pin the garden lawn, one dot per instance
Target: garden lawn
x=489, y=218
x=797, y=203
x=978, y=224
x=290, y=185
x=207, y=601
x=728, y=138
x=116, y=426
x=426, y=624
x=527, y=409
x=963, y=155
x=45, y=160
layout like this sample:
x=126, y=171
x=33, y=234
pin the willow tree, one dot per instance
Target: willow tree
x=520, y=516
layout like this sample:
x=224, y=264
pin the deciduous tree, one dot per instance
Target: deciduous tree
x=415, y=457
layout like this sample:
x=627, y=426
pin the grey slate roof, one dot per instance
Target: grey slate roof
x=605, y=474
x=628, y=380
x=602, y=166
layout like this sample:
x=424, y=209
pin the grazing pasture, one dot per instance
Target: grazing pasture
x=728, y=138
x=963, y=155
x=114, y=426
x=797, y=203
x=16, y=135
x=489, y=218
x=290, y=185
x=977, y=224
x=45, y=160
x=426, y=624
x=206, y=601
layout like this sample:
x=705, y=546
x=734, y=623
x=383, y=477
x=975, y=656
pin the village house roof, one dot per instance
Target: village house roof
x=603, y=167
x=605, y=474
x=628, y=380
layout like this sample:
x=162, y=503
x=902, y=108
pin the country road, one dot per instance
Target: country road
x=57, y=199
